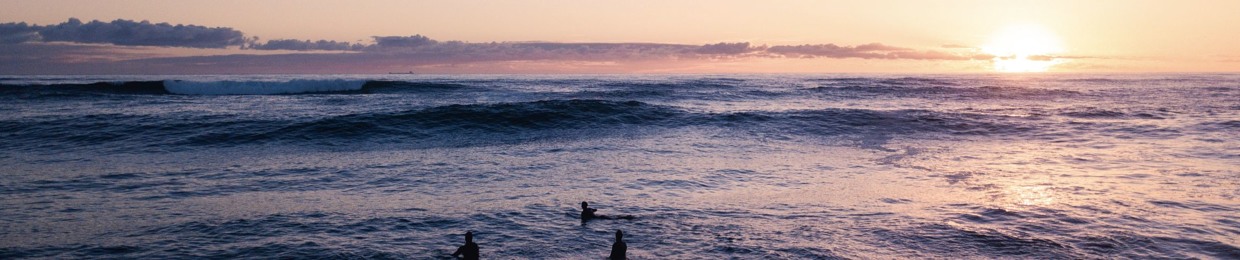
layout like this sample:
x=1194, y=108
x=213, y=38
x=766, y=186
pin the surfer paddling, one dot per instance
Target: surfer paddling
x=587, y=213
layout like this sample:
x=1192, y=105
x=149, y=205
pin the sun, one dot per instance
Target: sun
x=1024, y=48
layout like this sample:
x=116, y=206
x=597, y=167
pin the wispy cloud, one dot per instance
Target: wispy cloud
x=868, y=51
x=957, y=46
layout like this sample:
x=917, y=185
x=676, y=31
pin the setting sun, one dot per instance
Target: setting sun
x=1023, y=48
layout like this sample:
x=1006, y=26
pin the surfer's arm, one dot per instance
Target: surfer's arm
x=459, y=251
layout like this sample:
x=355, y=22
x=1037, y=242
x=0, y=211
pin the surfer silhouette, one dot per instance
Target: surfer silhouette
x=619, y=249
x=587, y=213
x=469, y=251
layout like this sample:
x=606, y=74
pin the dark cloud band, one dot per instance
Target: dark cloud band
x=125, y=33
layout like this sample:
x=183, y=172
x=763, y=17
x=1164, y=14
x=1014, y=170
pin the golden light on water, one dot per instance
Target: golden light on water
x=1031, y=196
x=1024, y=48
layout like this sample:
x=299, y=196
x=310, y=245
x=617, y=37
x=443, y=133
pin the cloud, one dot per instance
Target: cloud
x=381, y=43
x=870, y=51
x=725, y=48
x=560, y=51
x=403, y=41
x=306, y=45
x=957, y=46
x=130, y=33
x=125, y=33
x=867, y=51
x=124, y=46
x=18, y=33
x=940, y=56
x=426, y=49
x=444, y=57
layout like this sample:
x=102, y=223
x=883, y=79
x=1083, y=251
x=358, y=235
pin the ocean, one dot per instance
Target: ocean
x=1038, y=166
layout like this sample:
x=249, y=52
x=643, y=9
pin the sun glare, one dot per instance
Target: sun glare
x=1023, y=48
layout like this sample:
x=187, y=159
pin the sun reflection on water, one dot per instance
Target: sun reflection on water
x=1030, y=195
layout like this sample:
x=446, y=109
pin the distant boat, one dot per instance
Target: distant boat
x=410, y=72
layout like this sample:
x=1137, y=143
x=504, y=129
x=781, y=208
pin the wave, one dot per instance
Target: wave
x=918, y=87
x=874, y=123
x=676, y=85
x=181, y=87
x=922, y=91
x=123, y=87
x=480, y=124
x=546, y=120
x=382, y=86
x=903, y=81
x=466, y=124
x=525, y=121
x=1227, y=126
x=1099, y=113
x=261, y=87
x=706, y=89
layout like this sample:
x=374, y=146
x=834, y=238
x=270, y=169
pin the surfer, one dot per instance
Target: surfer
x=619, y=249
x=587, y=213
x=469, y=250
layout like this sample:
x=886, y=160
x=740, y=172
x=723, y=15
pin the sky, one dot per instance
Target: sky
x=554, y=36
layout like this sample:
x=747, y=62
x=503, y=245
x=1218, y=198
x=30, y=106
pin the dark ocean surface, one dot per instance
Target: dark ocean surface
x=1056, y=166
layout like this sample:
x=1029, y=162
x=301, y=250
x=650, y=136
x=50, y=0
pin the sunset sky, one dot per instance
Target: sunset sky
x=961, y=36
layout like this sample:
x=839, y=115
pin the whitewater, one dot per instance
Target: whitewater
x=1035, y=166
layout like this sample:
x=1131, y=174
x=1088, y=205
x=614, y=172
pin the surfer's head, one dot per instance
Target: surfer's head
x=469, y=236
x=584, y=205
x=619, y=235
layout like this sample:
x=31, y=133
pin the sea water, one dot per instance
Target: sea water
x=710, y=166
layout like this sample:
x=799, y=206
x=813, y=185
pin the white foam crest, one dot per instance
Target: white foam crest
x=260, y=87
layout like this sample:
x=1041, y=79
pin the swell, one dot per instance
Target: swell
x=901, y=81
x=984, y=92
x=708, y=89
x=475, y=124
x=925, y=87
x=865, y=122
x=466, y=122
x=121, y=88
x=721, y=89
x=165, y=87
x=1116, y=113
